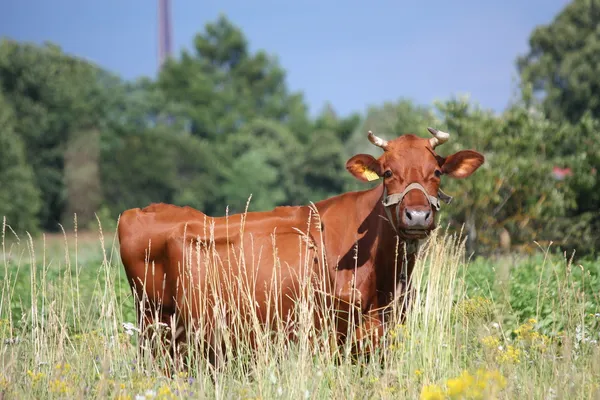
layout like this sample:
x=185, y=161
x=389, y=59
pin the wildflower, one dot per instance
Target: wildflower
x=164, y=392
x=418, y=373
x=35, y=377
x=58, y=386
x=150, y=394
x=491, y=342
x=477, y=308
x=509, y=356
x=4, y=383
x=477, y=386
x=14, y=340
x=431, y=392
x=524, y=331
x=130, y=328
x=62, y=368
x=460, y=385
x=273, y=378
x=390, y=389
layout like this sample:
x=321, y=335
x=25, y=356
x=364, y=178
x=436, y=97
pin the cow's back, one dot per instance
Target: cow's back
x=224, y=259
x=184, y=257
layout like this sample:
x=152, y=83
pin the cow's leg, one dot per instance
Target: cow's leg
x=368, y=334
x=156, y=338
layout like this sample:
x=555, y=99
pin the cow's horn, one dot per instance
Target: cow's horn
x=377, y=141
x=439, y=137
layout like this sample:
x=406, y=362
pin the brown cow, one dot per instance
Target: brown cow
x=349, y=248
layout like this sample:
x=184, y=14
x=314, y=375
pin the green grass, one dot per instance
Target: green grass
x=511, y=327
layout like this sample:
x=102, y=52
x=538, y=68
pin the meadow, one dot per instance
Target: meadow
x=502, y=327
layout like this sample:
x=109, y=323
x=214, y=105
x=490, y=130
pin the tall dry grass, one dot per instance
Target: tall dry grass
x=78, y=339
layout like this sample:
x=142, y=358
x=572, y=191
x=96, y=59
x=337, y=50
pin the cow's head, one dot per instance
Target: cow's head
x=411, y=172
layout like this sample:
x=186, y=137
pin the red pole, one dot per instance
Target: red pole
x=164, y=31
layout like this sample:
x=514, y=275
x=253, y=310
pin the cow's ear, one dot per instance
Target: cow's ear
x=462, y=164
x=364, y=167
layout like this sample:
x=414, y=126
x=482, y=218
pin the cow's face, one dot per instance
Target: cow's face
x=411, y=172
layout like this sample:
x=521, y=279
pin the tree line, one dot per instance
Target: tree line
x=219, y=123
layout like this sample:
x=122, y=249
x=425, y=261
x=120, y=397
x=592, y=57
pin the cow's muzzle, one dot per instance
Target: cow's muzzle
x=416, y=219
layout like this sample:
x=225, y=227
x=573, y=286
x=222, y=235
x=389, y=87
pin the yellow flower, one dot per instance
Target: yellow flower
x=58, y=386
x=511, y=355
x=431, y=392
x=490, y=342
x=164, y=392
x=493, y=376
x=4, y=383
x=460, y=385
x=373, y=379
x=35, y=377
x=63, y=368
x=418, y=372
x=475, y=309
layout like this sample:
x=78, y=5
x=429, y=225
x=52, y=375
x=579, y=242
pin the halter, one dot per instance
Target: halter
x=397, y=198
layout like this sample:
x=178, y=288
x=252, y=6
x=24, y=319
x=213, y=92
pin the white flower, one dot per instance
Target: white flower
x=150, y=394
x=129, y=328
x=140, y=397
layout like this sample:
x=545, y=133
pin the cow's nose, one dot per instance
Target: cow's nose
x=417, y=217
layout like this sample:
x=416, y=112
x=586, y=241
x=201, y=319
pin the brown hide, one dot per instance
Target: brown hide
x=168, y=248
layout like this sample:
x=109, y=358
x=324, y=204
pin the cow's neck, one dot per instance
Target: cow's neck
x=358, y=218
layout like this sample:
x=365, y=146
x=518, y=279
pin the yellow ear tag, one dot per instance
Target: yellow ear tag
x=370, y=175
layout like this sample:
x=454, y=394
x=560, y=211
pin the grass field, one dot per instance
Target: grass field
x=511, y=327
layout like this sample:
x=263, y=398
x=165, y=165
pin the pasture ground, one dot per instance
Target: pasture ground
x=509, y=327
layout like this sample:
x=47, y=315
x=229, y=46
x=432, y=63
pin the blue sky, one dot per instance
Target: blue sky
x=351, y=53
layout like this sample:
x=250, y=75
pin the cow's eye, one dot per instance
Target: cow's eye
x=438, y=173
x=387, y=174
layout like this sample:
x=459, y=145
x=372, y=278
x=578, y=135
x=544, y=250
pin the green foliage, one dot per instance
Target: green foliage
x=53, y=95
x=141, y=170
x=535, y=286
x=562, y=69
x=563, y=62
x=500, y=195
x=19, y=194
x=220, y=124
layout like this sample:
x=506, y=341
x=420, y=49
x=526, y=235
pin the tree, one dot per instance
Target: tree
x=514, y=189
x=562, y=67
x=19, y=196
x=53, y=97
x=252, y=131
x=223, y=86
x=563, y=62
